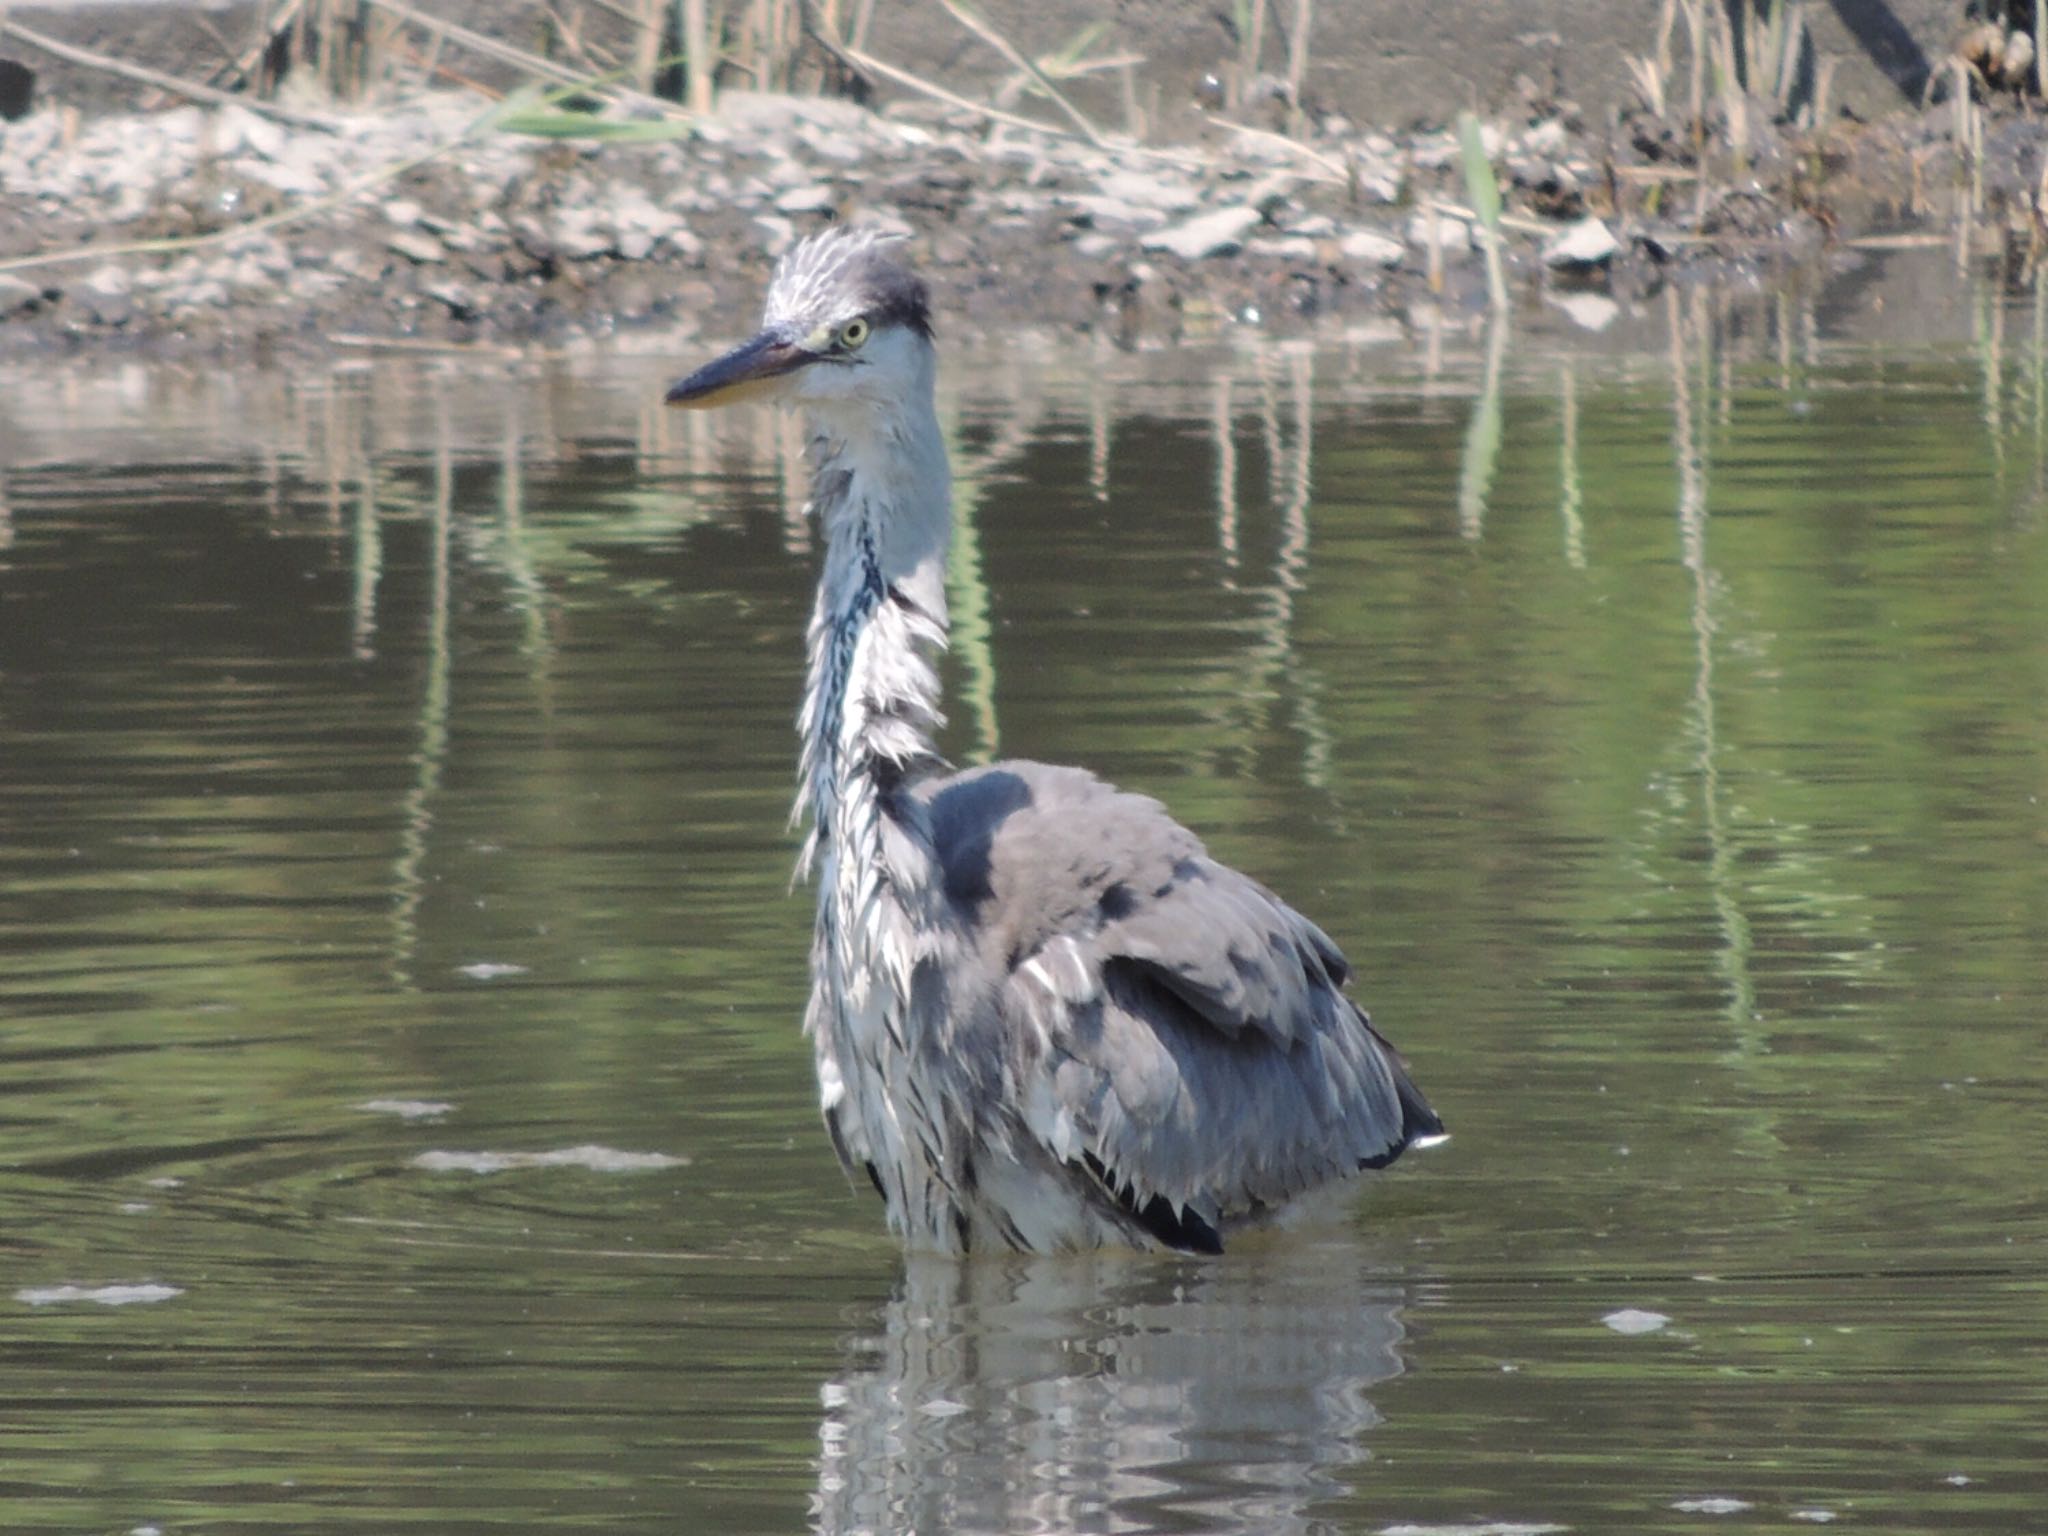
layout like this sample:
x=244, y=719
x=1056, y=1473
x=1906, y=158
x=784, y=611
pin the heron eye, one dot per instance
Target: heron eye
x=853, y=333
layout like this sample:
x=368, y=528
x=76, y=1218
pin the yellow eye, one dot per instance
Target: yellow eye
x=853, y=333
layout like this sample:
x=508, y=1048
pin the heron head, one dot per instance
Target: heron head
x=845, y=324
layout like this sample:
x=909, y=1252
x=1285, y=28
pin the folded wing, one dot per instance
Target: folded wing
x=1174, y=1032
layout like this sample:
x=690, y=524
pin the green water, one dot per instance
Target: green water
x=1661, y=732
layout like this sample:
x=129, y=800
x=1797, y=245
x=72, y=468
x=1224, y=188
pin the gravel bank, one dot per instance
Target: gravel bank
x=414, y=225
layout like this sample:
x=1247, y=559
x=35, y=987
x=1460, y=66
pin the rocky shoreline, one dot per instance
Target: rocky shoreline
x=222, y=231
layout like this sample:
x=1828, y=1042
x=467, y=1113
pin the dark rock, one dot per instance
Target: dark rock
x=17, y=90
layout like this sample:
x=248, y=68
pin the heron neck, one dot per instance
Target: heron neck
x=882, y=494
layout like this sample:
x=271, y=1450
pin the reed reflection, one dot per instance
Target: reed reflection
x=1111, y=1393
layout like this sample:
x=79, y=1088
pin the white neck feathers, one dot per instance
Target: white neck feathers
x=882, y=494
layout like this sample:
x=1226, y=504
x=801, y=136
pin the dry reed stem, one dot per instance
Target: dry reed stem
x=1297, y=61
x=1334, y=169
x=697, y=53
x=647, y=43
x=1508, y=220
x=965, y=15
x=570, y=36
x=163, y=82
x=247, y=61
x=2040, y=47
x=860, y=60
x=1249, y=47
x=532, y=63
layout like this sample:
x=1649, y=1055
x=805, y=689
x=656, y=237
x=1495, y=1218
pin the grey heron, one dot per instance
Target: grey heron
x=1044, y=1017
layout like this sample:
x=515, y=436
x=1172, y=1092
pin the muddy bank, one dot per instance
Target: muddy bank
x=219, y=231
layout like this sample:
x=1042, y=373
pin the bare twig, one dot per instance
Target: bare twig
x=904, y=77
x=1122, y=62
x=965, y=15
x=858, y=61
x=1656, y=174
x=616, y=9
x=190, y=89
x=1896, y=242
x=1507, y=220
x=532, y=63
x=419, y=344
x=1334, y=169
x=476, y=42
x=570, y=36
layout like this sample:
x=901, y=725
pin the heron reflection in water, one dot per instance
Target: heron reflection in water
x=1094, y=1393
x=1044, y=1017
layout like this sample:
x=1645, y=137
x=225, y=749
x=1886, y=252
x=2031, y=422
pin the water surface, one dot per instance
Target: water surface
x=405, y=1121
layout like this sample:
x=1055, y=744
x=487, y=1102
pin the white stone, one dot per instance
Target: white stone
x=1588, y=243
x=108, y=278
x=207, y=293
x=1099, y=210
x=1207, y=234
x=1588, y=311
x=1270, y=191
x=290, y=178
x=1282, y=247
x=1434, y=151
x=1365, y=245
x=580, y=234
x=1167, y=194
x=887, y=219
x=1453, y=236
x=416, y=245
x=247, y=276
x=765, y=112
x=814, y=197
x=838, y=148
x=16, y=294
x=236, y=128
x=461, y=303
x=1379, y=183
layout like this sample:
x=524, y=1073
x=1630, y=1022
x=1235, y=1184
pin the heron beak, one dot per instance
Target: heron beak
x=747, y=372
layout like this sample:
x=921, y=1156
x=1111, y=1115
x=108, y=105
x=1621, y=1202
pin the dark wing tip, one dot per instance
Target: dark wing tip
x=1420, y=1125
x=1183, y=1229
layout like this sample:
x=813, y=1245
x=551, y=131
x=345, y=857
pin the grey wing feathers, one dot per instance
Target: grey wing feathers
x=1171, y=1025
